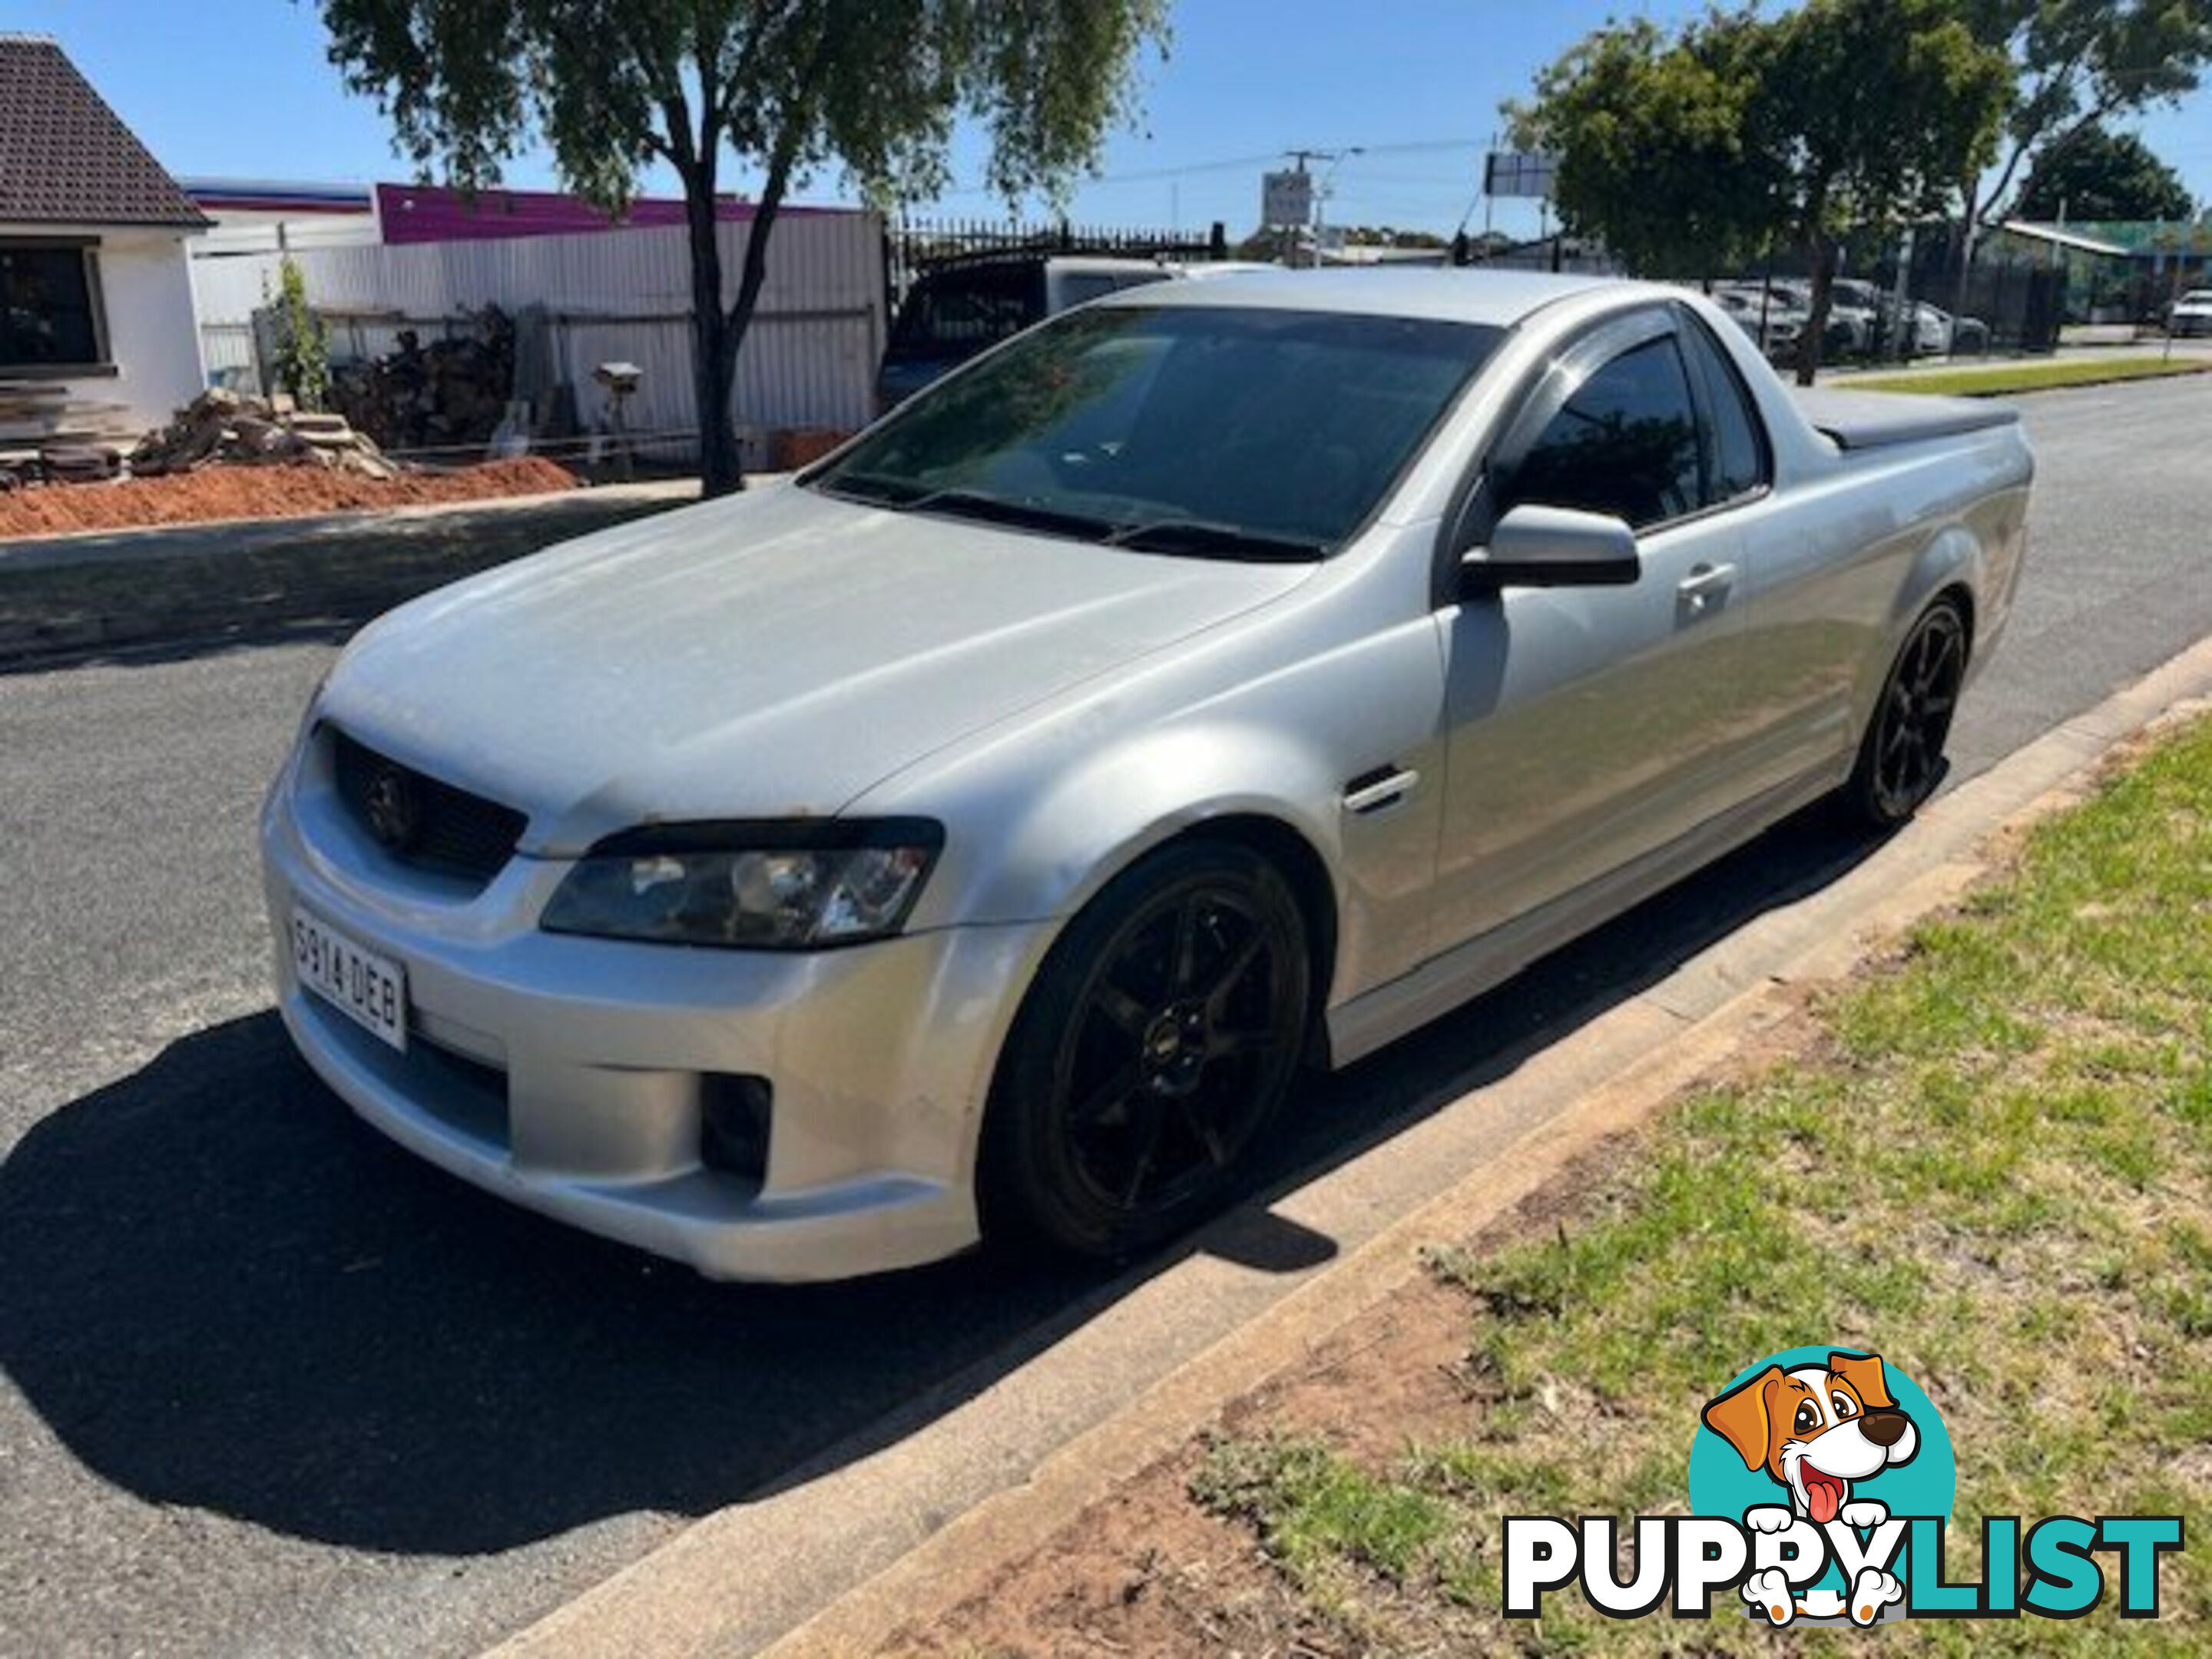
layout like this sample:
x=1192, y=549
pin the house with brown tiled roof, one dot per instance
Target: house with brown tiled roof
x=98, y=338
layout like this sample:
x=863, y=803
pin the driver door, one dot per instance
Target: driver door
x=1590, y=727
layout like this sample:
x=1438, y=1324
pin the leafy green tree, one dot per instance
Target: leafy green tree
x=2076, y=64
x=2105, y=175
x=1871, y=110
x=1655, y=149
x=1688, y=152
x=784, y=87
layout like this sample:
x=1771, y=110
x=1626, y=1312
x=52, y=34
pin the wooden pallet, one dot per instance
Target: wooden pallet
x=45, y=411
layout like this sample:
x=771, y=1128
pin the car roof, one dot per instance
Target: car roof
x=1103, y=264
x=992, y=261
x=1498, y=298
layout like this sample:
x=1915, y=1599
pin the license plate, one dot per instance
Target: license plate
x=369, y=989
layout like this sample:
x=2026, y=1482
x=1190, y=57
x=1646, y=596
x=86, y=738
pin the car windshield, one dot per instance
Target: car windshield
x=1216, y=430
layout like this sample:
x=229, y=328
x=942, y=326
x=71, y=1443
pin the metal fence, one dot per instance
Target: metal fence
x=233, y=355
x=1558, y=252
x=1882, y=314
x=2139, y=293
x=809, y=361
x=227, y=357
x=912, y=244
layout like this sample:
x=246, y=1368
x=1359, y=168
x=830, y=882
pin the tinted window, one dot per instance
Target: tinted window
x=1624, y=444
x=45, y=307
x=1080, y=287
x=1738, y=460
x=958, y=313
x=1288, y=424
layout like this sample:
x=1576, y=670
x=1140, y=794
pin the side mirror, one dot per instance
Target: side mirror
x=1552, y=547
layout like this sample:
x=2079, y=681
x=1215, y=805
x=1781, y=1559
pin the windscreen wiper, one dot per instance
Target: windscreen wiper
x=879, y=488
x=886, y=489
x=1004, y=509
x=1213, y=536
x=1199, y=536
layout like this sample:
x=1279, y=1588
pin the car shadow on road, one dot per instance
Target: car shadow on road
x=221, y=1290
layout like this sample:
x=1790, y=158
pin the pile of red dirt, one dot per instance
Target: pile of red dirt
x=259, y=492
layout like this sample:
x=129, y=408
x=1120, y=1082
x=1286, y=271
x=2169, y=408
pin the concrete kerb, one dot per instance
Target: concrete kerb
x=908, y=1519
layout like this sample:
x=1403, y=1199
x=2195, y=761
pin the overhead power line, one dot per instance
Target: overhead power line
x=1226, y=164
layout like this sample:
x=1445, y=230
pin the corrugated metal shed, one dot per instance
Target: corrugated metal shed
x=622, y=295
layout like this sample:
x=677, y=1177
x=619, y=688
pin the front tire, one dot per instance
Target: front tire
x=1159, y=1039
x=1901, y=755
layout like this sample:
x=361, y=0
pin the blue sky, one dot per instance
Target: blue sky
x=240, y=87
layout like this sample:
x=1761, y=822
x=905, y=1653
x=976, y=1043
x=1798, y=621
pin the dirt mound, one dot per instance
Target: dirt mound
x=259, y=492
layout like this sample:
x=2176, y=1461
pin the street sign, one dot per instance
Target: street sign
x=1519, y=173
x=1286, y=198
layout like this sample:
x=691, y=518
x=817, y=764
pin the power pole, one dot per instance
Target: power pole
x=1299, y=159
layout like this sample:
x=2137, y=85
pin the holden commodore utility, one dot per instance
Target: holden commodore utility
x=975, y=837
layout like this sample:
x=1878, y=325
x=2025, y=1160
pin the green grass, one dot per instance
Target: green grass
x=1999, y=379
x=1993, y=1167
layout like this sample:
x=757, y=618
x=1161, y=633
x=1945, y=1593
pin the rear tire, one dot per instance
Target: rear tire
x=1900, y=760
x=1158, y=1041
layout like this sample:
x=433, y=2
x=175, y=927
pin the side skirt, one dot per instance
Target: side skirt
x=1357, y=1029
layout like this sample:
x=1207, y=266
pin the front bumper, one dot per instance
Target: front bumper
x=567, y=1074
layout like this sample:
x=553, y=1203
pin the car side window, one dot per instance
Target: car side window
x=1624, y=444
x=1739, y=465
x=970, y=309
x=1081, y=287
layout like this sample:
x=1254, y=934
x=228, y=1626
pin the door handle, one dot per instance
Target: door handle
x=1705, y=586
x=1386, y=786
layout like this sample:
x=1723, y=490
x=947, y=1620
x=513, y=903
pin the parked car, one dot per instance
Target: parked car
x=1784, y=304
x=1850, y=331
x=2191, y=314
x=1937, y=333
x=1854, y=317
x=978, y=834
x=1931, y=330
x=963, y=307
x=1773, y=319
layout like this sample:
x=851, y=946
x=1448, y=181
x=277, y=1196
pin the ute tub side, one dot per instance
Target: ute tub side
x=1854, y=420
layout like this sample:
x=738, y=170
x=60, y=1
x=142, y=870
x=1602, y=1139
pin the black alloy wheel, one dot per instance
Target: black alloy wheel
x=1161, y=1033
x=1901, y=759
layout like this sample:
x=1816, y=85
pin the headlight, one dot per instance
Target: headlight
x=771, y=886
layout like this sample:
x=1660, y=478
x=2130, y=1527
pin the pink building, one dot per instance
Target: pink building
x=434, y=213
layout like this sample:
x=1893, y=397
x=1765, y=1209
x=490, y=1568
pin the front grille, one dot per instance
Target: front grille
x=444, y=827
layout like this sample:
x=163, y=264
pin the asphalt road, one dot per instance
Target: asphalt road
x=272, y=1387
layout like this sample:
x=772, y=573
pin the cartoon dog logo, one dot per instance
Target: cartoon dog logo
x=1816, y=1431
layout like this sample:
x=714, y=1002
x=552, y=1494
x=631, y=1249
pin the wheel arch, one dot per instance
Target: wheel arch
x=1301, y=865
x=1960, y=594
x=1273, y=835
x=1272, y=839
x=1953, y=566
